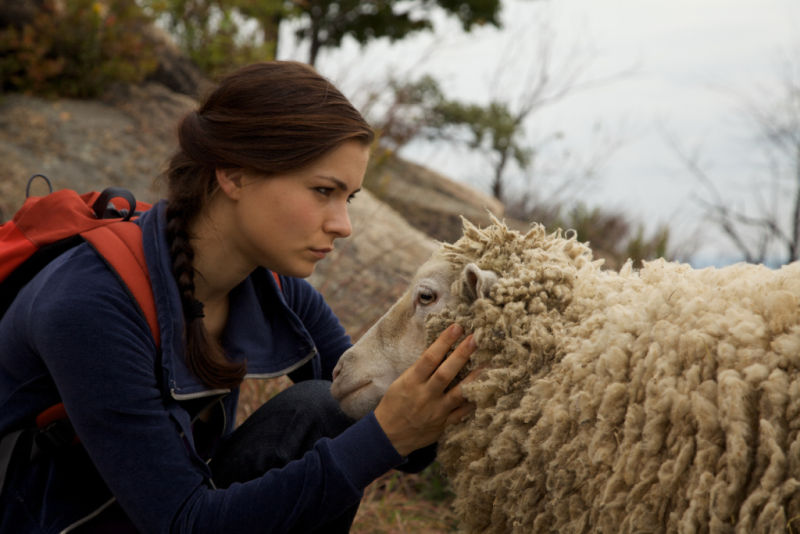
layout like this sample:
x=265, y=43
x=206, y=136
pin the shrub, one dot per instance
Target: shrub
x=220, y=35
x=76, y=48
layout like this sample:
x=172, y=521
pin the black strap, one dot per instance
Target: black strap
x=7, y=445
x=53, y=438
x=32, y=178
x=105, y=209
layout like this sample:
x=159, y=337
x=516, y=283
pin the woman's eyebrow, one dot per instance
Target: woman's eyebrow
x=339, y=184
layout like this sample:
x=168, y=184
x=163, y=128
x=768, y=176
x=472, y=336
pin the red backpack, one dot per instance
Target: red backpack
x=45, y=227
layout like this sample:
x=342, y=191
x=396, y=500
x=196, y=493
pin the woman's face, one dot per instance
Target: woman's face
x=288, y=222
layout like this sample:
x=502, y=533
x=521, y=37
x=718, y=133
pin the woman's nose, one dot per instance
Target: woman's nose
x=339, y=222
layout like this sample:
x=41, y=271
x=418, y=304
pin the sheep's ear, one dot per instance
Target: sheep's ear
x=477, y=282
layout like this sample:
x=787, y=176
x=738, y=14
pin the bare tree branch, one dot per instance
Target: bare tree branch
x=775, y=121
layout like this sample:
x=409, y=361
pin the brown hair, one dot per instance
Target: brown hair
x=270, y=118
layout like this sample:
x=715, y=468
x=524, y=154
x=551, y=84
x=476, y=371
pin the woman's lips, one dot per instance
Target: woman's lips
x=320, y=252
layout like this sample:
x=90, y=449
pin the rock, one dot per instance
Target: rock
x=175, y=71
x=88, y=144
x=429, y=201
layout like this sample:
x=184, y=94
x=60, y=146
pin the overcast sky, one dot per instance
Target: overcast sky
x=678, y=68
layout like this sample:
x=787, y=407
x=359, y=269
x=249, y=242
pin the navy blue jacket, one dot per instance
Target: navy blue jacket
x=74, y=334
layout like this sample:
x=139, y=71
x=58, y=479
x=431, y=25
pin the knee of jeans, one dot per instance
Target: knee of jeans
x=313, y=398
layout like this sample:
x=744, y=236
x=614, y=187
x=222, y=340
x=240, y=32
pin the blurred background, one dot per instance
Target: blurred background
x=654, y=128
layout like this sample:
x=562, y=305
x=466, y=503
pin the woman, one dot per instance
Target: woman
x=262, y=179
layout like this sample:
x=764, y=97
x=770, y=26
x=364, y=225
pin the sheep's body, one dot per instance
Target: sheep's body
x=659, y=400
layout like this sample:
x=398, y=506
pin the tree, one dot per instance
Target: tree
x=419, y=108
x=326, y=23
x=767, y=228
x=494, y=128
x=410, y=109
x=403, y=110
x=213, y=32
x=500, y=128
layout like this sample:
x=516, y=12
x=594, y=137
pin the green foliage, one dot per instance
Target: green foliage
x=433, y=484
x=609, y=236
x=640, y=248
x=495, y=130
x=492, y=127
x=420, y=109
x=328, y=21
x=476, y=12
x=407, y=109
x=211, y=32
x=76, y=48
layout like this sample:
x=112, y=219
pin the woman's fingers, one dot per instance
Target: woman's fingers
x=433, y=355
x=474, y=374
x=418, y=405
x=458, y=415
x=450, y=368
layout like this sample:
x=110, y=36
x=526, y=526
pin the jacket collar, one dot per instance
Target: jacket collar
x=261, y=327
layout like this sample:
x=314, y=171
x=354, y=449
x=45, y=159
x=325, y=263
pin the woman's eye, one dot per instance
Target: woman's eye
x=324, y=190
x=426, y=297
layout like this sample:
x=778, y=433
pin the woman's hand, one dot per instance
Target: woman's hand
x=416, y=409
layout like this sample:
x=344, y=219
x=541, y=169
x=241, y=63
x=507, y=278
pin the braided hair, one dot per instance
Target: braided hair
x=270, y=117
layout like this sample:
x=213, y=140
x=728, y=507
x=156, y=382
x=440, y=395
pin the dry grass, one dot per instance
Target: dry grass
x=256, y=391
x=400, y=503
x=396, y=503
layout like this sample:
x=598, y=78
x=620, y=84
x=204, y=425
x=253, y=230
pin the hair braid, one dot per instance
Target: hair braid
x=204, y=356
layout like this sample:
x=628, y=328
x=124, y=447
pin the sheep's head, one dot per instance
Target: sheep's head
x=503, y=286
x=366, y=370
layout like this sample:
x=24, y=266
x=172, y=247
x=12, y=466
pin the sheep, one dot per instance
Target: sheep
x=663, y=399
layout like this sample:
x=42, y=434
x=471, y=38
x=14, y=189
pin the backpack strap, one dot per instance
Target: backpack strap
x=120, y=245
x=7, y=445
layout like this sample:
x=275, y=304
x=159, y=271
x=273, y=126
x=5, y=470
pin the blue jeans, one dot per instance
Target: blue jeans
x=262, y=442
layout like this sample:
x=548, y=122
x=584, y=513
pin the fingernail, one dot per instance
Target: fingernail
x=456, y=330
x=472, y=344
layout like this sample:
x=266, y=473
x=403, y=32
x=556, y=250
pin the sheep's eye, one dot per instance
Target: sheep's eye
x=426, y=297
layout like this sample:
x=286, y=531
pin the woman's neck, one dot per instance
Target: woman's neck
x=218, y=266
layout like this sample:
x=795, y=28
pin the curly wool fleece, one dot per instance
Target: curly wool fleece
x=659, y=400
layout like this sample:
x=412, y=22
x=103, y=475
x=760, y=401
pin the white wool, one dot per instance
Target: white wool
x=660, y=399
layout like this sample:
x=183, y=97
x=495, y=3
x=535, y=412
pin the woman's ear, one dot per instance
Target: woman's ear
x=230, y=182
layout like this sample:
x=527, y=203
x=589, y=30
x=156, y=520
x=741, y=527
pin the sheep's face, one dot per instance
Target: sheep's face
x=397, y=340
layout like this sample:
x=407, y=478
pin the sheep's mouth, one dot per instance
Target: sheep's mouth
x=341, y=395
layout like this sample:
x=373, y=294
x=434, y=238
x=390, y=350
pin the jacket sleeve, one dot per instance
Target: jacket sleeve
x=322, y=324
x=102, y=359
